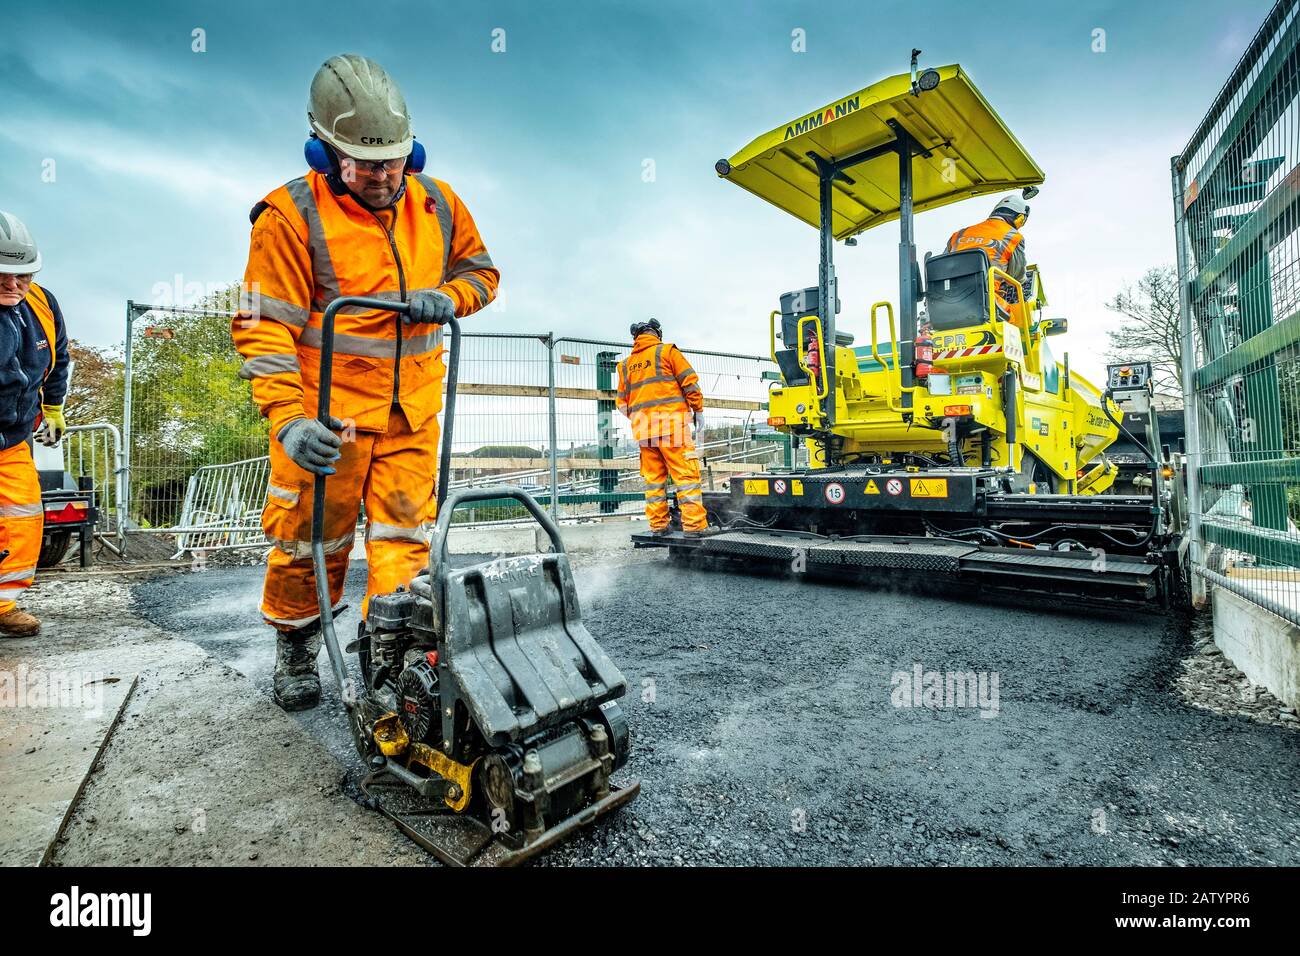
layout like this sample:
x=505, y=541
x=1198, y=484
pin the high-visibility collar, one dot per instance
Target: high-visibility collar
x=39, y=303
x=387, y=253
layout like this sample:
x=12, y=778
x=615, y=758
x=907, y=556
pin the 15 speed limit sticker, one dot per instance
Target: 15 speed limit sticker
x=894, y=486
x=835, y=493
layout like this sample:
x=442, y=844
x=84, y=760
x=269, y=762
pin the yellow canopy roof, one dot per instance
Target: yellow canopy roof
x=972, y=153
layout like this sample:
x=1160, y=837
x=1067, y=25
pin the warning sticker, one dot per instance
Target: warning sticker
x=755, y=486
x=894, y=486
x=778, y=486
x=796, y=487
x=872, y=488
x=835, y=493
x=929, y=487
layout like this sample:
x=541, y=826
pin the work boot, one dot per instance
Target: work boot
x=704, y=532
x=16, y=622
x=296, y=685
x=660, y=532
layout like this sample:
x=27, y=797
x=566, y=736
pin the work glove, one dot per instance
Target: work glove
x=311, y=445
x=52, y=425
x=697, y=422
x=433, y=307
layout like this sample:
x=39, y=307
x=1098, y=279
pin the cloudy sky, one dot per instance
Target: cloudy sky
x=158, y=151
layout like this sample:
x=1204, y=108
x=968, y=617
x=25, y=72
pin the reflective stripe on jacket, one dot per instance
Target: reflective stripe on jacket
x=658, y=390
x=311, y=245
x=996, y=238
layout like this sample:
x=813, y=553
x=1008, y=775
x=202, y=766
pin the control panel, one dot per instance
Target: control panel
x=1134, y=376
x=1130, y=386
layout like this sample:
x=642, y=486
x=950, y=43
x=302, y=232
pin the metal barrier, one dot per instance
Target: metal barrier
x=223, y=507
x=95, y=451
x=533, y=410
x=1236, y=194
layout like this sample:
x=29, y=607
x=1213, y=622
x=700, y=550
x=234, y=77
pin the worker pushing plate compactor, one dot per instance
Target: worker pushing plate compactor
x=486, y=712
x=960, y=451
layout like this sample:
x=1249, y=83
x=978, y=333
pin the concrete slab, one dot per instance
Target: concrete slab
x=201, y=767
x=610, y=534
x=54, y=723
x=1262, y=645
x=602, y=534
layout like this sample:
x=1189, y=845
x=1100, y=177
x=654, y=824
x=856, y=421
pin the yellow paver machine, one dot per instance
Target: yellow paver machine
x=954, y=443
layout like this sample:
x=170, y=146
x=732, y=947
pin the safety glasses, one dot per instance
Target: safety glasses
x=373, y=167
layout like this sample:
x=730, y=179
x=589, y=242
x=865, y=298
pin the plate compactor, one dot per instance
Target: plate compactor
x=959, y=453
x=486, y=712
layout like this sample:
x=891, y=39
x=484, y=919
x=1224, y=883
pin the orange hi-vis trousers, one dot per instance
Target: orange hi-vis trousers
x=658, y=464
x=22, y=522
x=393, y=473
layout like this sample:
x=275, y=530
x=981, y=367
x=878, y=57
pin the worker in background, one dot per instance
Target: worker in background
x=660, y=392
x=364, y=221
x=33, y=383
x=999, y=238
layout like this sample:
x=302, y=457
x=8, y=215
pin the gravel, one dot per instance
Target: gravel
x=771, y=727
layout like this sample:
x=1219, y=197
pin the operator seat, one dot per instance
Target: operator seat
x=795, y=306
x=957, y=289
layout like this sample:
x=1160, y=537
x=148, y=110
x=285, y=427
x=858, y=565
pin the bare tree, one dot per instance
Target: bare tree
x=1150, y=330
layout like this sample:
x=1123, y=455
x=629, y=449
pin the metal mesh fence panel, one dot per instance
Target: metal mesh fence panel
x=531, y=411
x=186, y=407
x=1237, y=219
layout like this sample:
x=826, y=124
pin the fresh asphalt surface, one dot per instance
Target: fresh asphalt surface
x=766, y=726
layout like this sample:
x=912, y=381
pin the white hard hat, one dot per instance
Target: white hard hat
x=18, y=253
x=357, y=108
x=1012, y=205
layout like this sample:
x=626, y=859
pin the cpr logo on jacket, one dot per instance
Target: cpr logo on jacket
x=74, y=908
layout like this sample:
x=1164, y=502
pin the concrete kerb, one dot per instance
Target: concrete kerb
x=606, y=534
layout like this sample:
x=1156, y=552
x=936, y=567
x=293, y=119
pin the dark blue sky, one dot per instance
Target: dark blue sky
x=160, y=151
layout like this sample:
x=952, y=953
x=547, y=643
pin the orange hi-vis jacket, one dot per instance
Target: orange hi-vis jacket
x=311, y=245
x=658, y=390
x=995, y=237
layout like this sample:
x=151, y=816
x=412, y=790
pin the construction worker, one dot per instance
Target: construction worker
x=33, y=383
x=999, y=238
x=364, y=221
x=660, y=392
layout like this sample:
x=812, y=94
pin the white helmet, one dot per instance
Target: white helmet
x=1011, y=208
x=18, y=253
x=358, y=109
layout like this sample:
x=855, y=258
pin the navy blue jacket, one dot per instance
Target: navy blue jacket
x=24, y=357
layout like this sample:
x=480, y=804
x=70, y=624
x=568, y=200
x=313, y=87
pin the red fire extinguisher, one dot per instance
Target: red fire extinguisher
x=814, y=358
x=924, y=353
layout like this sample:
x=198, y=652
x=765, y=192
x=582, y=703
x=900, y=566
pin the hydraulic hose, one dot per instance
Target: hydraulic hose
x=1128, y=434
x=1156, y=506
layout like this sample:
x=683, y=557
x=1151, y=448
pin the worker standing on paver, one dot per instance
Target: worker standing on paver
x=33, y=383
x=365, y=221
x=999, y=238
x=660, y=392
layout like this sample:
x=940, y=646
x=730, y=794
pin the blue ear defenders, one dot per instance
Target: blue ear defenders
x=319, y=156
x=415, y=162
x=324, y=160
